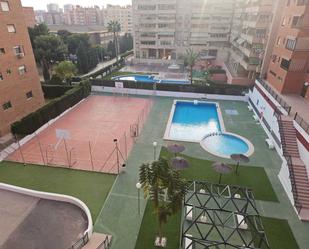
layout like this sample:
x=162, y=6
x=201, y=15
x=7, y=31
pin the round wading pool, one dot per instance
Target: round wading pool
x=226, y=144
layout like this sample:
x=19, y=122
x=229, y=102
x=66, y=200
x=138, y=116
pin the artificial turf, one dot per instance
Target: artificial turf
x=254, y=178
x=90, y=187
x=149, y=228
x=279, y=234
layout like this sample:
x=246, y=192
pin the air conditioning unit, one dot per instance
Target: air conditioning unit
x=20, y=55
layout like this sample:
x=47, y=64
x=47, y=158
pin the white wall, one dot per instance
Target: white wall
x=126, y=91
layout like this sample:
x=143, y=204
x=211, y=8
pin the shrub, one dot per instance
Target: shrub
x=54, y=108
x=54, y=91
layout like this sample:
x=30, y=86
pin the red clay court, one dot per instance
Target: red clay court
x=84, y=137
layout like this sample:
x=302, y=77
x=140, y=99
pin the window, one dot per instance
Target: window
x=272, y=73
x=1, y=76
x=296, y=21
x=274, y=58
x=278, y=41
x=18, y=50
x=2, y=51
x=290, y=44
x=5, y=6
x=285, y=64
x=7, y=105
x=11, y=28
x=29, y=95
x=22, y=70
x=8, y=71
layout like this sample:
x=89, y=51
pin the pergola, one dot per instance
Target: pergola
x=217, y=216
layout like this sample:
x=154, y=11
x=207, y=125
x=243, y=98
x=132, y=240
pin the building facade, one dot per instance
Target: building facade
x=20, y=88
x=122, y=14
x=29, y=16
x=251, y=29
x=280, y=100
x=164, y=30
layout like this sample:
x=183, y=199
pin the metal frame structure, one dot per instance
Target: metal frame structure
x=217, y=216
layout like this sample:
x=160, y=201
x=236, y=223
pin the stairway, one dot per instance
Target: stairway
x=298, y=172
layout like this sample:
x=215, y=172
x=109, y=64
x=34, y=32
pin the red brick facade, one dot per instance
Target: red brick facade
x=289, y=64
x=20, y=89
x=29, y=16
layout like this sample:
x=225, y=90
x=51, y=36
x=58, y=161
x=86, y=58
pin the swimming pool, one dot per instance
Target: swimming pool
x=148, y=79
x=201, y=122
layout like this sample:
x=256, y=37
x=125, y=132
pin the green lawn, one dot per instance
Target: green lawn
x=252, y=177
x=92, y=188
x=279, y=234
x=148, y=230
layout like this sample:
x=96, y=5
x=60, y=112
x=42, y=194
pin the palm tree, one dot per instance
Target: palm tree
x=114, y=26
x=165, y=188
x=190, y=60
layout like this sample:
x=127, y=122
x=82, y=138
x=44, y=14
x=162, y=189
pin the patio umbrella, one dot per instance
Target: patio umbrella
x=239, y=158
x=222, y=168
x=179, y=163
x=175, y=148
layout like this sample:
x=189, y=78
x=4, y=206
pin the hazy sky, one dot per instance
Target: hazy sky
x=41, y=4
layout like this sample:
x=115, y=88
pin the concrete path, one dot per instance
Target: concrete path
x=99, y=67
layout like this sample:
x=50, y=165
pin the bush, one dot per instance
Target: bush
x=216, y=71
x=54, y=108
x=54, y=91
x=55, y=80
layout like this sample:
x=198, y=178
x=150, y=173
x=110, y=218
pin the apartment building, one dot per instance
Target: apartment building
x=78, y=15
x=251, y=29
x=20, y=88
x=165, y=29
x=122, y=14
x=280, y=100
x=29, y=16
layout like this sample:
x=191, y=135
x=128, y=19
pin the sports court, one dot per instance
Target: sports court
x=97, y=135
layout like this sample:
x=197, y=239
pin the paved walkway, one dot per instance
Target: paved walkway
x=119, y=216
x=99, y=67
x=28, y=222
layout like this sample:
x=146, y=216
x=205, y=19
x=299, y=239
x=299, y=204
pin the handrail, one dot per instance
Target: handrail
x=105, y=244
x=288, y=158
x=280, y=100
x=80, y=243
x=217, y=133
x=302, y=123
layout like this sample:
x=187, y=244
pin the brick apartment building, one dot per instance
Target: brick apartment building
x=20, y=89
x=29, y=16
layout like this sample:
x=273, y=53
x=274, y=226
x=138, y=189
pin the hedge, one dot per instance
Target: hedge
x=51, y=110
x=222, y=89
x=54, y=91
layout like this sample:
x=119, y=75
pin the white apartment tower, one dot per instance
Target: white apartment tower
x=164, y=29
x=122, y=14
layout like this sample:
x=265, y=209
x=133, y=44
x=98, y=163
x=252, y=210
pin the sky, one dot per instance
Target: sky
x=41, y=4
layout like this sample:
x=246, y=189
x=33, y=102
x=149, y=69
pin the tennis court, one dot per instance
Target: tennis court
x=97, y=135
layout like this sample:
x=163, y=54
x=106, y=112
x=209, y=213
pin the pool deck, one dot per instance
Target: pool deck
x=119, y=216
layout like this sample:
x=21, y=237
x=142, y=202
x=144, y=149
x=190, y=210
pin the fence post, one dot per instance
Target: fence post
x=125, y=144
x=37, y=137
x=91, y=156
x=20, y=151
x=66, y=150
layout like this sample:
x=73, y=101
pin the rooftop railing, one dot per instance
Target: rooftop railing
x=302, y=123
x=276, y=96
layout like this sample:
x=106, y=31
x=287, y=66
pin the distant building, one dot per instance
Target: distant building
x=78, y=15
x=20, y=88
x=53, y=8
x=29, y=16
x=164, y=30
x=122, y=14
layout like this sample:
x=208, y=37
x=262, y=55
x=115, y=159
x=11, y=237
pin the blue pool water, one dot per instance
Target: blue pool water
x=148, y=79
x=192, y=122
x=226, y=145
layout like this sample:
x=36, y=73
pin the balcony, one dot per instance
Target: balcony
x=253, y=38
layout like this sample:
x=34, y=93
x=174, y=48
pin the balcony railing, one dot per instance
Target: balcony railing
x=302, y=123
x=276, y=96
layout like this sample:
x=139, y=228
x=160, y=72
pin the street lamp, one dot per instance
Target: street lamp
x=138, y=186
x=155, y=144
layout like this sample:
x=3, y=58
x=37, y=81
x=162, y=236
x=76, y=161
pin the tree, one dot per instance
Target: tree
x=165, y=188
x=64, y=34
x=115, y=28
x=49, y=49
x=65, y=70
x=37, y=30
x=125, y=43
x=190, y=60
x=74, y=40
x=82, y=59
x=111, y=49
